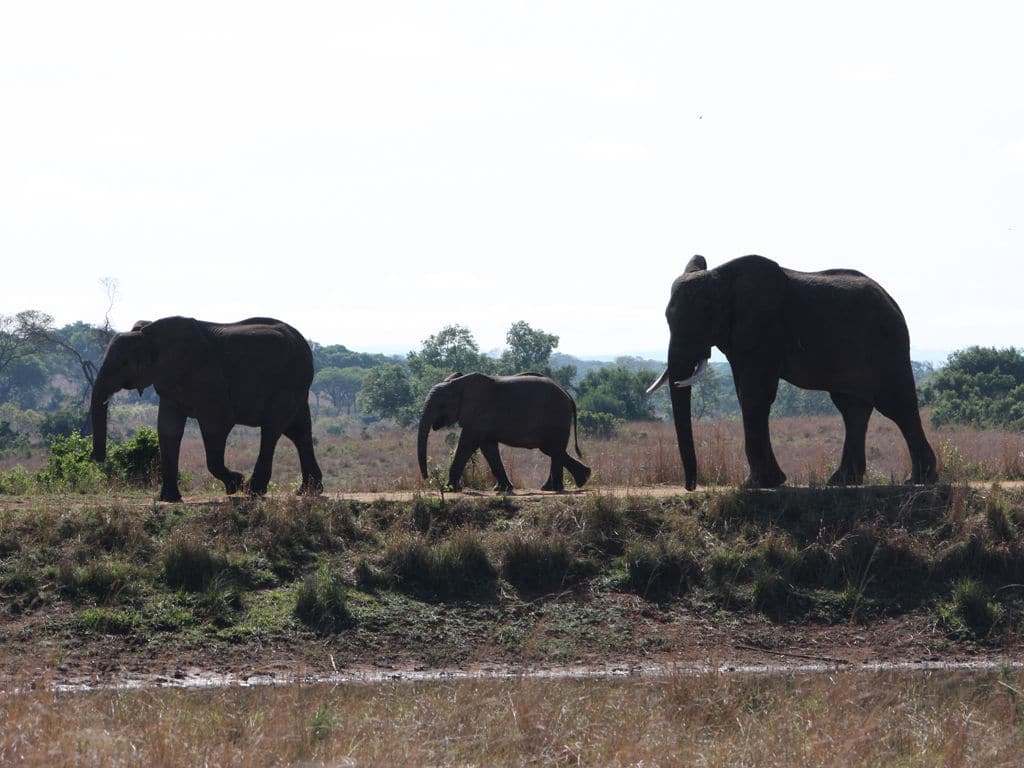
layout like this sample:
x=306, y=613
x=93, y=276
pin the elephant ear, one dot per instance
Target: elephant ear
x=757, y=295
x=186, y=357
x=696, y=264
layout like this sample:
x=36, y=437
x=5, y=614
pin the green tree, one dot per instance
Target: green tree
x=18, y=336
x=981, y=386
x=529, y=349
x=388, y=393
x=340, y=356
x=794, y=401
x=706, y=398
x=341, y=385
x=24, y=382
x=618, y=392
x=453, y=348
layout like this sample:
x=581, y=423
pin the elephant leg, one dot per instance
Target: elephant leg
x=301, y=433
x=556, y=481
x=764, y=469
x=170, y=426
x=580, y=472
x=493, y=457
x=260, y=479
x=902, y=409
x=463, y=451
x=856, y=414
x=215, y=437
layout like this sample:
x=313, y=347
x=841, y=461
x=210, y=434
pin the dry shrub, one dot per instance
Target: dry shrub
x=456, y=567
x=535, y=564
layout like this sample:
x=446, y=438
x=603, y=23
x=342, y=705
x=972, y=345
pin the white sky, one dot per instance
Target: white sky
x=372, y=171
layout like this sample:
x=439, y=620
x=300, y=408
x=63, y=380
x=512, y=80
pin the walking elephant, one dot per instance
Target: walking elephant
x=837, y=331
x=255, y=372
x=527, y=410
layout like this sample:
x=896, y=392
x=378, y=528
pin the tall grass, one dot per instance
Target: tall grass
x=838, y=719
x=640, y=454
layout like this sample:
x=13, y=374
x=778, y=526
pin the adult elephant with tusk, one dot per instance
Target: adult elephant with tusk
x=255, y=372
x=527, y=410
x=837, y=331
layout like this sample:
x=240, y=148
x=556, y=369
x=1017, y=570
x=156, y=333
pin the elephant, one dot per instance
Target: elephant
x=255, y=372
x=836, y=330
x=527, y=410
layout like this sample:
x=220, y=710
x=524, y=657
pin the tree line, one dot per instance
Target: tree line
x=46, y=374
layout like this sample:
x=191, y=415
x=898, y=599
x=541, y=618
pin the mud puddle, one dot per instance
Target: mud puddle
x=196, y=679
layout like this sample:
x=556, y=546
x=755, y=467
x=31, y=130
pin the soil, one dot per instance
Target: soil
x=621, y=633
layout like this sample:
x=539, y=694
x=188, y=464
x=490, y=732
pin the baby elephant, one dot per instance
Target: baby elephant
x=527, y=410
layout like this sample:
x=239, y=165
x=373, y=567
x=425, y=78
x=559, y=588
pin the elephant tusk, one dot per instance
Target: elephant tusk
x=657, y=384
x=702, y=368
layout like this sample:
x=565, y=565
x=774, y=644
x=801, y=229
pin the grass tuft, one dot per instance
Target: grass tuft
x=457, y=567
x=190, y=564
x=321, y=602
x=536, y=565
x=971, y=609
x=661, y=569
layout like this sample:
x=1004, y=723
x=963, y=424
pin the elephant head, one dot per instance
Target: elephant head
x=127, y=364
x=698, y=318
x=137, y=359
x=441, y=409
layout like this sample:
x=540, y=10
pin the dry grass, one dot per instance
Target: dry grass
x=641, y=454
x=837, y=719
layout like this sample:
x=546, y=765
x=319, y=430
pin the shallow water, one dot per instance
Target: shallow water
x=199, y=679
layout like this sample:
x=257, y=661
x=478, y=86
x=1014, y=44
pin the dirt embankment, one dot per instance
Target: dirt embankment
x=643, y=578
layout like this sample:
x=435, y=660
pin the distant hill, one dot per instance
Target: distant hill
x=583, y=367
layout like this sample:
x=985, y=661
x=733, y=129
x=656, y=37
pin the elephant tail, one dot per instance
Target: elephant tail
x=575, y=430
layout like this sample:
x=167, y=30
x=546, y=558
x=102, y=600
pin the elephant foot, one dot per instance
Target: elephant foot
x=315, y=488
x=581, y=478
x=922, y=478
x=774, y=480
x=170, y=494
x=924, y=474
x=234, y=482
x=845, y=477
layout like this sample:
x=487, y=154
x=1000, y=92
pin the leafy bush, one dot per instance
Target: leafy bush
x=17, y=482
x=597, y=424
x=321, y=601
x=63, y=423
x=71, y=467
x=980, y=386
x=137, y=461
x=12, y=442
x=617, y=391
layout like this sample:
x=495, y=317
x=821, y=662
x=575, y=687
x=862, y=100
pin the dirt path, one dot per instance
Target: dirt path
x=657, y=491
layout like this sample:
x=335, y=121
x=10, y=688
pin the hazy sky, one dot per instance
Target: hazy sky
x=373, y=171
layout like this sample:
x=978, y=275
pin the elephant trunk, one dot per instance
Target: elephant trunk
x=421, y=437
x=102, y=391
x=684, y=434
x=681, y=373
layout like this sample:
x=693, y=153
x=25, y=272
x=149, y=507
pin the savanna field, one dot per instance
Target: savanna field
x=388, y=623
